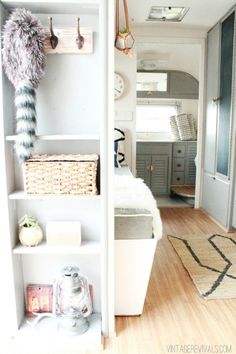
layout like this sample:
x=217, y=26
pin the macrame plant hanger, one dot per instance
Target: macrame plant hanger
x=124, y=40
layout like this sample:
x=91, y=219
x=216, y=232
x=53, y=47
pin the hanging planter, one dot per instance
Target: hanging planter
x=124, y=40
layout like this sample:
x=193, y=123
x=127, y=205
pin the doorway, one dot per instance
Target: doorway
x=169, y=165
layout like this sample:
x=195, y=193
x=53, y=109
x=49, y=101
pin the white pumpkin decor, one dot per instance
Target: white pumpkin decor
x=30, y=233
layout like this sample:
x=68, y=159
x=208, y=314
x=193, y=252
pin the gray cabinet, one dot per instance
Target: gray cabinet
x=143, y=164
x=215, y=197
x=218, y=140
x=212, y=79
x=183, y=165
x=154, y=164
x=160, y=174
x=161, y=164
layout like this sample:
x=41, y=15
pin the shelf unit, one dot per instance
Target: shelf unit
x=17, y=195
x=60, y=137
x=87, y=247
x=72, y=114
x=47, y=329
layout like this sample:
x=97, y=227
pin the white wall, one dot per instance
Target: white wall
x=125, y=106
x=190, y=106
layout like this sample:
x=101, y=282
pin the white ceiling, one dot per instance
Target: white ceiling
x=202, y=13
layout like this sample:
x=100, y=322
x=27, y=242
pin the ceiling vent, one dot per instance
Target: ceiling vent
x=167, y=13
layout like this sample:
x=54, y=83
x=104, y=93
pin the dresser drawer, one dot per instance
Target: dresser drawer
x=178, y=164
x=178, y=178
x=179, y=150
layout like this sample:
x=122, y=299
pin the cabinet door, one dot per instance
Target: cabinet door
x=160, y=174
x=213, y=52
x=215, y=198
x=190, y=168
x=143, y=165
x=226, y=70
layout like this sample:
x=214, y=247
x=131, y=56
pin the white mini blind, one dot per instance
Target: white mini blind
x=154, y=118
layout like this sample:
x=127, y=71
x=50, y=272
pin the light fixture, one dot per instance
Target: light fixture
x=148, y=64
x=167, y=13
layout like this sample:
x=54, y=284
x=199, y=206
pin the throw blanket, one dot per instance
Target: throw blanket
x=131, y=192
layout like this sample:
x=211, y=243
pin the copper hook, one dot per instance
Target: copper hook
x=79, y=39
x=53, y=38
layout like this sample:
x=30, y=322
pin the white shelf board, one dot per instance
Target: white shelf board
x=87, y=247
x=45, y=336
x=55, y=6
x=22, y=195
x=60, y=137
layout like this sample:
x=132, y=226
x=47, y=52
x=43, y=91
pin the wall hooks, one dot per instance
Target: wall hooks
x=53, y=38
x=79, y=39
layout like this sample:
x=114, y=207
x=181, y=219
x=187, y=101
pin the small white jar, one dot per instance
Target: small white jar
x=30, y=236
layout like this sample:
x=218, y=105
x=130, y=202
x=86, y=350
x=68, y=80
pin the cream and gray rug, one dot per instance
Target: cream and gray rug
x=210, y=261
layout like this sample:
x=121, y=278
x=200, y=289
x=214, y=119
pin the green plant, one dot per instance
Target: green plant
x=124, y=30
x=27, y=221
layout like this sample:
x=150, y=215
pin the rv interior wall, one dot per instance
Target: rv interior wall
x=125, y=106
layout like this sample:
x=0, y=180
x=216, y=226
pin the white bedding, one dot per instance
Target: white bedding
x=131, y=192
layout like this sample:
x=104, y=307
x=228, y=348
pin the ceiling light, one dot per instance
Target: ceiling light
x=167, y=13
x=148, y=64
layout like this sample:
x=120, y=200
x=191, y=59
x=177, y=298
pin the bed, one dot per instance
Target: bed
x=136, y=206
x=138, y=227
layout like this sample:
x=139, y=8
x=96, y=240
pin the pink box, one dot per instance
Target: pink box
x=39, y=298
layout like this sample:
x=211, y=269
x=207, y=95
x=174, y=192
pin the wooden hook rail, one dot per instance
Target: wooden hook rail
x=67, y=43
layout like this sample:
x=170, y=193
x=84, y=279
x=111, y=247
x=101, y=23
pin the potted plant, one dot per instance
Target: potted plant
x=124, y=39
x=30, y=233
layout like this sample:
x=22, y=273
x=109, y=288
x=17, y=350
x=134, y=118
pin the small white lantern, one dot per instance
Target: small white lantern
x=74, y=304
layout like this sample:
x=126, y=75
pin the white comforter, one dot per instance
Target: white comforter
x=131, y=192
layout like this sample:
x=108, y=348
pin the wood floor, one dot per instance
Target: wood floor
x=174, y=313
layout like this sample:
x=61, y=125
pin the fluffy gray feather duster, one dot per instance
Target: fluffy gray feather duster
x=24, y=62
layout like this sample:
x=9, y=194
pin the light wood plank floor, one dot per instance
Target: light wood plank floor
x=174, y=313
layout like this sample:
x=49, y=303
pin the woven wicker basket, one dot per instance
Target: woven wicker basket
x=61, y=174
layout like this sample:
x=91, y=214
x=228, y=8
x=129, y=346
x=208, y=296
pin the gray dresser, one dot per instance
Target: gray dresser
x=162, y=164
x=183, y=165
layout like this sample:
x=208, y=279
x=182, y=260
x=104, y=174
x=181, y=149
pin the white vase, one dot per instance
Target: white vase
x=30, y=236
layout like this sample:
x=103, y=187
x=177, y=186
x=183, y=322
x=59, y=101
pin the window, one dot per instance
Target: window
x=154, y=118
x=151, y=81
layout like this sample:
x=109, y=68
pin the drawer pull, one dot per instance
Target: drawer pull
x=179, y=151
x=178, y=178
x=179, y=165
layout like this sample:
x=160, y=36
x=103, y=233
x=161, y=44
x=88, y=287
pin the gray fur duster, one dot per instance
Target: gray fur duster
x=24, y=62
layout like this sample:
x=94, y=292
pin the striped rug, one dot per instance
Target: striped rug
x=210, y=261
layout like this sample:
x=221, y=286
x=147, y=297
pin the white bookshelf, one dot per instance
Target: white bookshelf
x=55, y=7
x=22, y=195
x=59, y=137
x=46, y=333
x=83, y=122
x=86, y=248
